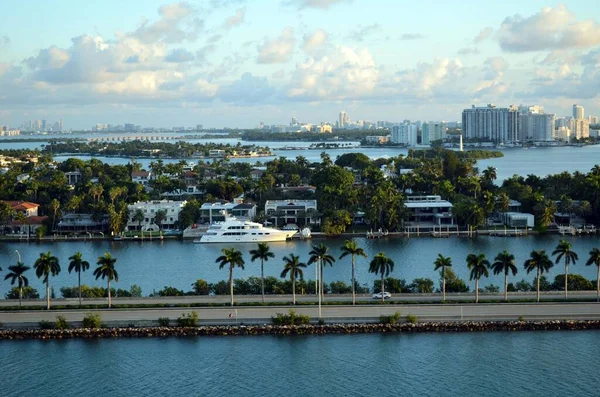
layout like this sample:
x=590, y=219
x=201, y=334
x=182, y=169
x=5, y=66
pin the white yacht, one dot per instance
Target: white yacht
x=237, y=231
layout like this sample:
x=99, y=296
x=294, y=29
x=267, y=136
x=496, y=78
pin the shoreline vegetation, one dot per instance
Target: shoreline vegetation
x=408, y=327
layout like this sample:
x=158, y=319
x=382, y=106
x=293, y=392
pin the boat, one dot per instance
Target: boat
x=232, y=230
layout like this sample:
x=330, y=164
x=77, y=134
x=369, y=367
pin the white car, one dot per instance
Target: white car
x=386, y=295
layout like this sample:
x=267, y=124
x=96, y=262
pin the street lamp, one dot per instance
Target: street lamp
x=17, y=251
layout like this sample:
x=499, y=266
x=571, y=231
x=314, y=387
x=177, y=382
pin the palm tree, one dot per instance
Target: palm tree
x=538, y=261
x=16, y=275
x=478, y=266
x=45, y=266
x=79, y=265
x=263, y=252
x=294, y=267
x=382, y=265
x=106, y=270
x=504, y=263
x=595, y=260
x=160, y=217
x=351, y=248
x=442, y=262
x=319, y=254
x=232, y=258
x=138, y=216
x=563, y=249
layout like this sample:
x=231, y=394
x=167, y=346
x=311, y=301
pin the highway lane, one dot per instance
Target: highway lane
x=224, y=299
x=365, y=313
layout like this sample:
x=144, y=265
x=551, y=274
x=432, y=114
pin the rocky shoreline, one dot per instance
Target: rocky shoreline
x=290, y=330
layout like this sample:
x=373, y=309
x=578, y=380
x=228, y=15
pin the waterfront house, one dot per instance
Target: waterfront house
x=149, y=209
x=218, y=211
x=428, y=212
x=299, y=212
x=28, y=221
x=82, y=223
x=141, y=177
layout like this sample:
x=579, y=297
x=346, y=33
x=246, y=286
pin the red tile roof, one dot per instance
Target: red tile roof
x=22, y=205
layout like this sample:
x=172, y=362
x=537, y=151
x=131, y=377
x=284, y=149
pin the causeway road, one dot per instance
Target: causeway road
x=331, y=314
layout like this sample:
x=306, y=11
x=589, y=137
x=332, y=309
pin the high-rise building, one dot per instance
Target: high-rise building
x=578, y=112
x=491, y=123
x=537, y=127
x=404, y=134
x=294, y=122
x=580, y=128
x=342, y=119
x=593, y=119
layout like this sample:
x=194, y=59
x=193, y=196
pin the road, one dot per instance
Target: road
x=341, y=313
x=224, y=299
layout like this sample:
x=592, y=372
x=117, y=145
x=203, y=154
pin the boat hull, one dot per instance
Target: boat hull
x=283, y=236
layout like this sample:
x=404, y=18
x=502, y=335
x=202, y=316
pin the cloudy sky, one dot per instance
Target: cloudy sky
x=236, y=63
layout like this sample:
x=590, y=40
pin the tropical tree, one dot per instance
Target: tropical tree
x=319, y=254
x=106, y=270
x=490, y=174
x=563, y=250
x=160, y=217
x=45, y=266
x=79, y=265
x=17, y=275
x=383, y=266
x=294, y=267
x=442, y=262
x=541, y=263
x=478, y=265
x=263, y=252
x=504, y=262
x=594, y=259
x=138, y=216
x=351, y=248
x=232, y=258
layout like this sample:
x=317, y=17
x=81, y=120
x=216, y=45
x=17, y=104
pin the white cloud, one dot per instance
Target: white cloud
x=248, y=90
x=315, y=40
x=319, y=4
x=362, y=32
x=235, y=20
x=495, y=68
x=342, y=74
x=483, y=35
x=279, y=49
x=551, y=28
x=179, y=55
x=177, y=23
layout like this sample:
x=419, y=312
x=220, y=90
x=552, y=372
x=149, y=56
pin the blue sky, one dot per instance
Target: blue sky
x=236, y=63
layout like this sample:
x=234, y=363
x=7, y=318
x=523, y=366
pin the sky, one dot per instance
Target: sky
x=236, y=63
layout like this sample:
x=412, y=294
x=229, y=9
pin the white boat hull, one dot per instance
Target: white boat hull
x=248, y=238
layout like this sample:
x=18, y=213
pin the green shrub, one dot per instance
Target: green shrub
x=201, y=287
x=411, y=318
x=28, y=293
x=521, y=319
x=61, y=323
x=135, y=291
x=92, y=320
x=46, y=324
x=393, y=319
x=164, y=321
x=321, y=321
x=188, y=320
x=290, y=319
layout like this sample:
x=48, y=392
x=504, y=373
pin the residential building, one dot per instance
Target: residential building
x=593, y=119
x=256, y=174
x=428, y=212
x=217, y=212
x=563, y=134
x=377, y=139
x=82, y=223
x=73, y=177
x=141, y=177
x=580, y=128
x=25, y=207
x=31, y=220
x=517, y=219
x=343, y=118
x=433, y=131
x=149, y=209
x=578, y=112
x=491, y=123
x=404, y=134
x=298, y=212
x=537, y=126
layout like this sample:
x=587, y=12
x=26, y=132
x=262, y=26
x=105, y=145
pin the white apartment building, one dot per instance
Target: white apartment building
x=404, y=134
x=299, y=212
x=563, y=134
x=149, y=209
x=141, y=177
x=537, y=127
x=580, y=128
x=578, y=112
x=593, y=119
x=491, y=123
x=217, y=212
x=433, y=131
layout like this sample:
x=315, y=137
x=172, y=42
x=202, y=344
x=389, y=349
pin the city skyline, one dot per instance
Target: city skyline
x=236, y=63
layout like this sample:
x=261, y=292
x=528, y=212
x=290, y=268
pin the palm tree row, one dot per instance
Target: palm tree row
x=48, y=265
